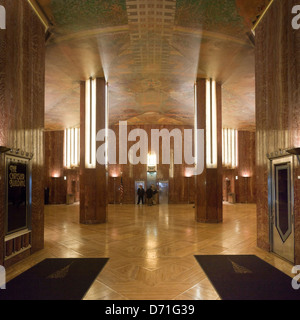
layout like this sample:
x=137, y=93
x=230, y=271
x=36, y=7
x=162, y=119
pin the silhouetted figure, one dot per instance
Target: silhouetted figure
x=140, y=193
x=149, y=193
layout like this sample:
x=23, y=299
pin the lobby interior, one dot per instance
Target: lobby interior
x=70, y=68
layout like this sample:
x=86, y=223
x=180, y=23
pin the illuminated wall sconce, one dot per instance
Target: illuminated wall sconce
x=189, y=172
x=230, y=148
x=246, y=175
x=55, y=175
x=90, y=123
x=72, y=147
x=236, y=178
x=211, y=124
x=114, y=175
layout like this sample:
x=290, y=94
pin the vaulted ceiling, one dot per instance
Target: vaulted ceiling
x=150, y=52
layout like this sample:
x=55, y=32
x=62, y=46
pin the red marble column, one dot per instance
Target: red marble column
x=277, y=50
x=22, y=86
x=208, y=202
x=93, y=182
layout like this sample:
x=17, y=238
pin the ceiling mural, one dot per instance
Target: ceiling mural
x=150, y=52
x=211, y=16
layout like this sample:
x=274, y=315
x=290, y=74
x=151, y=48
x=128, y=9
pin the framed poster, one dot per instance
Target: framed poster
x=17, y=194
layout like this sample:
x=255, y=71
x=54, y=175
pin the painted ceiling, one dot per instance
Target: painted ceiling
x=150, y=52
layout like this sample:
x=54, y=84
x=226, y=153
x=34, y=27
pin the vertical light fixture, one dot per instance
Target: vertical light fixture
x=196, y=125
x=226, y=146
x=211, y=124
x=90, y=123
x=106, y=125
x=77, y=147
x=223, y=147
x=72, y=138
x=71, y=147
x=67, y=147
x=230, y=148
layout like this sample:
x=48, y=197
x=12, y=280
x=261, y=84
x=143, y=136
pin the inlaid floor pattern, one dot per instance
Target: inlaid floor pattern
x=151, y=249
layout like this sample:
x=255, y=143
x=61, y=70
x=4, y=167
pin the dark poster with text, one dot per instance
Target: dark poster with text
x=16, y=196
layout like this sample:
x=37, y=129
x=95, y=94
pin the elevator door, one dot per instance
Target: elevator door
x=163, y=192
x=282, y=215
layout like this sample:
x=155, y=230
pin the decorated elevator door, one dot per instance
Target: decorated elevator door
x=282, y=215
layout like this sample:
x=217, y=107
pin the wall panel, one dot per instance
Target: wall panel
x=277, y=103
x=22, y=65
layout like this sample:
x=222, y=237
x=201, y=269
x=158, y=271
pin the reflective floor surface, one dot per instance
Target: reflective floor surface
x=151, y=248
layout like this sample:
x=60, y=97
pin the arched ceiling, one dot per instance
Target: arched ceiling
x=150, y=52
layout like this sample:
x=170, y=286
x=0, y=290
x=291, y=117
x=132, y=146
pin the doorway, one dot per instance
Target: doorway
x=282, y=210
x=151, y=178
x=163, y=192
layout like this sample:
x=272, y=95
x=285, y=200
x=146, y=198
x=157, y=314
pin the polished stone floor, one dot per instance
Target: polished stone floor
x=151, y=249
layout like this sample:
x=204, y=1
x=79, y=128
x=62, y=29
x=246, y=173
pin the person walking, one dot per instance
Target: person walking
x=140, y=193
x=154, y=194
x=149, y=194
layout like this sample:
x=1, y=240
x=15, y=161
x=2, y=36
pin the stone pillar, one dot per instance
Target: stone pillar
x=93, y=179
x=22, y=105
x=208, y=202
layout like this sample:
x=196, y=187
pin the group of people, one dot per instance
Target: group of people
x=150, y=195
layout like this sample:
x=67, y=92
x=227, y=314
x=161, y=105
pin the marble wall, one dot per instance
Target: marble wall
x=277, y=105
x=59, y=180
x=243, y=187
x=22, y=65
x=181, y=184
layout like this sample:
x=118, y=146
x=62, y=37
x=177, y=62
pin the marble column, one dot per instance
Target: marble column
x=22, y=94
x=93, y=178
x=208, y=202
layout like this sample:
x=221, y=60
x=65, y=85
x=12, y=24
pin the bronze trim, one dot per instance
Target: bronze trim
x=38, y=11
x=261, y=16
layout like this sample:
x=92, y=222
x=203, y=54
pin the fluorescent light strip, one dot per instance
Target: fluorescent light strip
x=208, y=125
x=75, y=147
x=68, y=148
x=90, y=124
x=87, y=124
x=65, y=148
x=211, y=124
x=214, y=140
x=223, y=147
x=106, y=123
x=226, y=146
x=72, y=146
x=233, y=149
x=196, y=125
x=237, y=149
x=230, y=148
x=93, y=122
